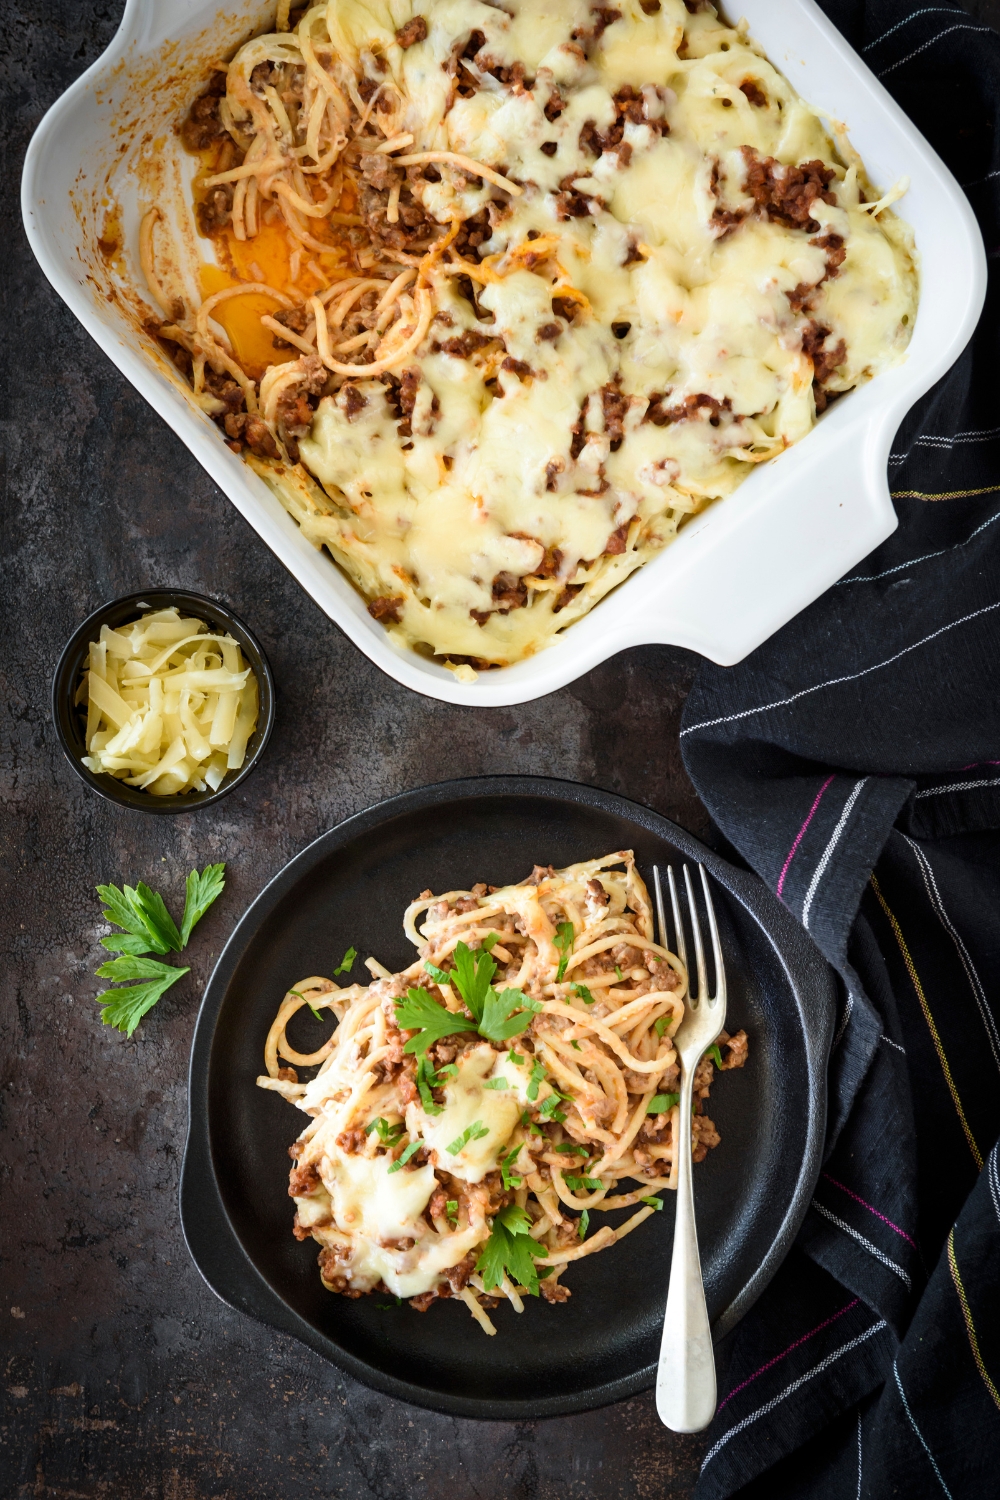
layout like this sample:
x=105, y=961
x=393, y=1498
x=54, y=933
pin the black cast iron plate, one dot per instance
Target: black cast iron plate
x=350, y=887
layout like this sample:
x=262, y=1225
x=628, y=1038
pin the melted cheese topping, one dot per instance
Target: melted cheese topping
x=664, y=298
x=380, y=1210
x=469, y=1106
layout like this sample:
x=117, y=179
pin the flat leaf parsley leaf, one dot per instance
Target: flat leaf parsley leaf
x=142, y=913
x=652, y=1202
x=124, y=1008
x=506, y=1015
x=497, y=1017
x=660, y=1103
x=149, y=928
x=714, y=1053
x=509, y=1251
x=421, y=1013
x=584, y=1224
x=199, y=893
x=584, y=993
x=578, y=1184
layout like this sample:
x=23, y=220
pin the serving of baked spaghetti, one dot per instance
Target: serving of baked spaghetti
x=470, y=1114
x=504, y=294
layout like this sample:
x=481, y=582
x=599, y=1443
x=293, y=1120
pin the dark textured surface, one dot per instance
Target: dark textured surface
x=122, y=1374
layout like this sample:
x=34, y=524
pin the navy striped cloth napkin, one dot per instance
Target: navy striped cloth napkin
x=854, y=762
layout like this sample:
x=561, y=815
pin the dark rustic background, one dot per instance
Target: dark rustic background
x=122, y=1375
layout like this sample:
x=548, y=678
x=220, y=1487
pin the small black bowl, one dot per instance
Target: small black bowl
x=71, y=720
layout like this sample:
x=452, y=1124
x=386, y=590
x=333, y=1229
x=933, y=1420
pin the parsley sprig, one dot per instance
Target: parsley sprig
x=148, y=928
x=497, y=1016
x=509, y=1251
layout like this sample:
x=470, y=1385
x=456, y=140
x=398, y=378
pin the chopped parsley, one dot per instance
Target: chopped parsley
x=497, y=1016
x=451, y=1210
x=474, y=1132
x=496, y=1083
x=299, y=996
x=509, y=1251
x=563, y=940
x=510, y=1180
x=537, y=1074
x=714, y=1053
x=573, y=1148
x=579, y=1184
x=386, y=1133
x=529, y=1124
x=660, y=1103
x=549, y=1107
x=576, y=1044
x=427, y=1079
x=408, y=1151
x=584, y=1224
x=515, y=1058
x=584, y=993
x=661, y=1025
x=347, y=962
x=652, y=1202
x=620, y=976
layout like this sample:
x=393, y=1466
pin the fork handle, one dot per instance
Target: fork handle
x=685, y=1377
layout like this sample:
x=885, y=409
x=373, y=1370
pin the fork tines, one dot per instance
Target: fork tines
x=680, y=947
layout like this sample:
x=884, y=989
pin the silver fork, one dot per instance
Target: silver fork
x=685, y=1377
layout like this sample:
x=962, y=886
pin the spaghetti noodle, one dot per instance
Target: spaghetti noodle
x=640, y=265
x=470, y=1113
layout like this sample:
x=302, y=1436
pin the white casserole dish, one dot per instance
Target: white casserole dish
x=737, y=572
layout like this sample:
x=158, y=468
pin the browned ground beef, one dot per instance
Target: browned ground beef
x=753, y=91
x=696, y=407
x=215, y=210
x=464, y=344
x=203, y=125
x=509, y=592
x=786, y=195
x=302, y=1180
x=615, y=405
x=825, y=361
x=387, y=608
x=352, y=1141
x=604, y=17
x=414, y=31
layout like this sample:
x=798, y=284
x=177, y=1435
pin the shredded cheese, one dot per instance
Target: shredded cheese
x=170, y=706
